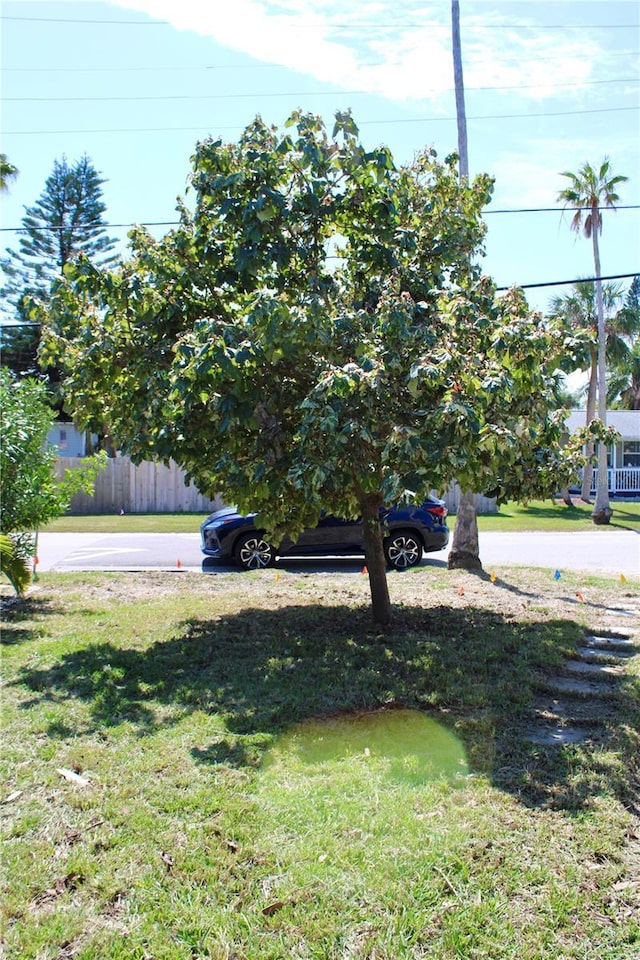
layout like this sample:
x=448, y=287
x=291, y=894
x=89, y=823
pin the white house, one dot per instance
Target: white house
x=623, y=457
x=67, y=439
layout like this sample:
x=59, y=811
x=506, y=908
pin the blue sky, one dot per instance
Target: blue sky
x=135, y=83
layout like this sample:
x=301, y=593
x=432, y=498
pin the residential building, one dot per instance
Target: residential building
x=623, y=457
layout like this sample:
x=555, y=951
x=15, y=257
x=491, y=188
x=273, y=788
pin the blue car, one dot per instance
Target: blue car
x=409, y=530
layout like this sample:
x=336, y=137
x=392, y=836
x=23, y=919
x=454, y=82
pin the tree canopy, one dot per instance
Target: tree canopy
x=588, y=191
x=315, y=335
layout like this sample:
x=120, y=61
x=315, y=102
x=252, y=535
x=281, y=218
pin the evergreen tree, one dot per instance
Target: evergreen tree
x=66, y=221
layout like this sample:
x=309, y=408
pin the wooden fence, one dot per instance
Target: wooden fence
x=155, y=488
x=483, y=504
x=145, y=488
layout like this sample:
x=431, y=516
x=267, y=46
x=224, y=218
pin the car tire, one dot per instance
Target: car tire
x=403, y=549
x=252, y=552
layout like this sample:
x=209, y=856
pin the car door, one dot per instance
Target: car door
x=332, y=535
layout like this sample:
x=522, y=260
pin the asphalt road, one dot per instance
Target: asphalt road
x=600, y=551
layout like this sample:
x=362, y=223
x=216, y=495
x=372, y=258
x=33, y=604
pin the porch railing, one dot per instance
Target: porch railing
x=621, y=480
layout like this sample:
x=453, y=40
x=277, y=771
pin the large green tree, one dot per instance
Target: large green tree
x=589, y=191
x=67, y=220
x=315, y=336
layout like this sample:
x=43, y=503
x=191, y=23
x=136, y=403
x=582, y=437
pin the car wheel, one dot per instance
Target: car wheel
x=403, y=550
x=254, y=553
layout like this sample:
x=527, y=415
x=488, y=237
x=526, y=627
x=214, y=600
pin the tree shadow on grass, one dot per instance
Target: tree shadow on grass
x=261, y=671
x=18, y=614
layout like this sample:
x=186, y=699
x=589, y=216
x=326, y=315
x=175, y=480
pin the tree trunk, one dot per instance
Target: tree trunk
x=592, y=392
x=375, y=560
x=464, y=552
x=602, y=512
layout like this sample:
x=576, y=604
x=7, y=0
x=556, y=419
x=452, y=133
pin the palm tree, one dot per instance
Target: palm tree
x=624, y=385
x=588, y=192
x=579, y=309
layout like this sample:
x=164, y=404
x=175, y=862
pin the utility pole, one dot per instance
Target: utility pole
x=465, y=549
x=461, y=114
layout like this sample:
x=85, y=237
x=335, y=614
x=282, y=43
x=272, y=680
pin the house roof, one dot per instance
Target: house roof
x=626, y=422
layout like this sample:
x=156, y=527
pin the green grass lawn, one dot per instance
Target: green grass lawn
x=538, y=515
x=264, y=775
x=556, y=515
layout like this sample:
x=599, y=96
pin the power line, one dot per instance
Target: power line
x=352, y=25
x=562, y=283
x=187, y=96
x=495, y=116
x=175, y=223
x=106, y=226
x=288, y=93
x=556, y=209
x=471, y=61
x=362, y=123
x=162, y=69
x=123, y=23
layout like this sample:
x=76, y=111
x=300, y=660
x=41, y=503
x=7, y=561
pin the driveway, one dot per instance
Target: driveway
x=600, y=551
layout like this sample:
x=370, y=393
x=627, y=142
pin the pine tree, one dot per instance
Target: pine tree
x=67, y=220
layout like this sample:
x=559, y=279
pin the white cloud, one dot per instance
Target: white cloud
x=531, y=177
x=401, y=51
x=532, y=66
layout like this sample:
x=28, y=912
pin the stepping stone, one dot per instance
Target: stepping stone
x=556, y=736
x=578, y=709
x=612, y=643
x=583, y=686
x=591, y=669
x=592, y=651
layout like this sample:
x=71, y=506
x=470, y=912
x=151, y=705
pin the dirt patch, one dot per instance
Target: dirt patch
x=603, y=606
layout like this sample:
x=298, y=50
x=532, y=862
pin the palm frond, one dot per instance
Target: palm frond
x=14, y=563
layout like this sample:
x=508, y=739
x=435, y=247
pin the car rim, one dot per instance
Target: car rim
x=403, y=552
x=255, y=554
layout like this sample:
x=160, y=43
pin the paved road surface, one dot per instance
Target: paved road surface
x=600, y=551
